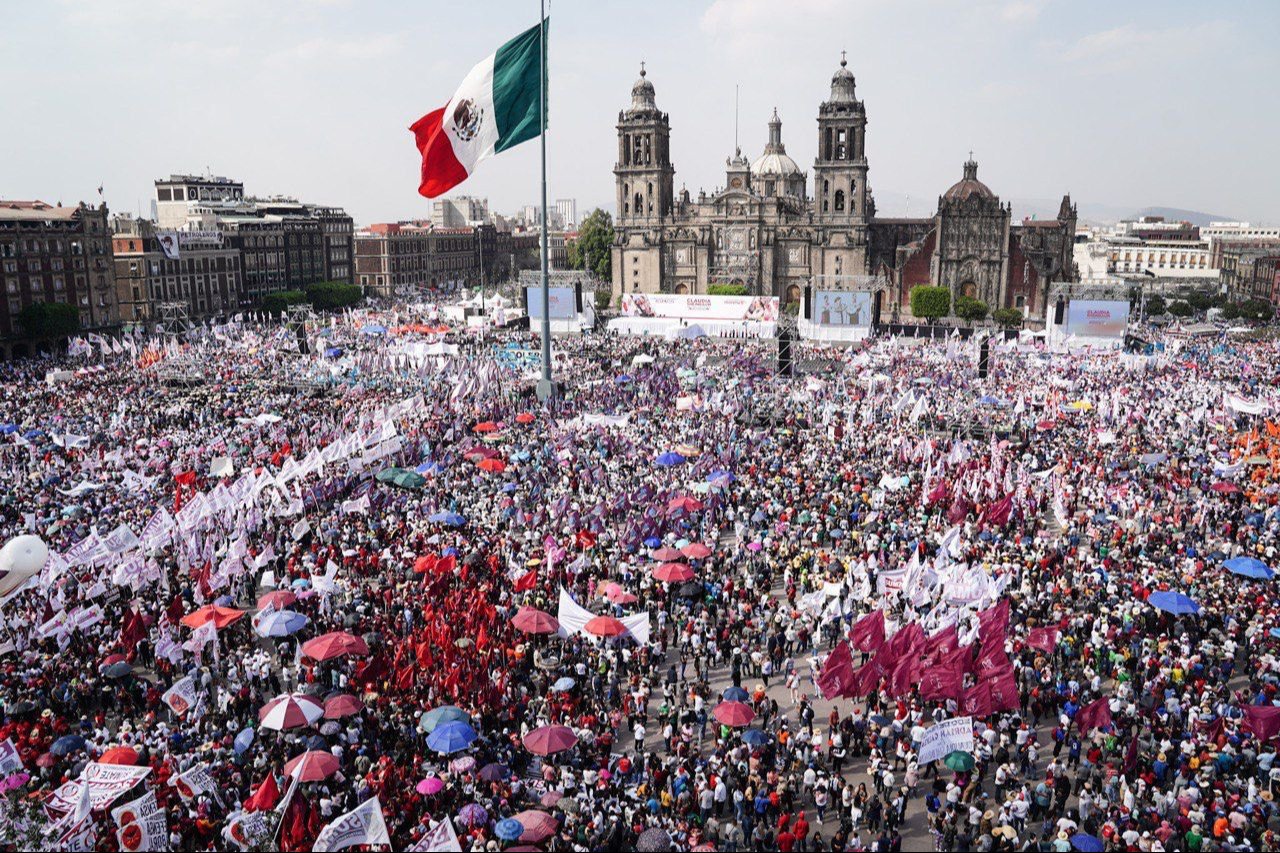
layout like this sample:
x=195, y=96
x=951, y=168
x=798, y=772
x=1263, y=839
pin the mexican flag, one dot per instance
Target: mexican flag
x=495, y=108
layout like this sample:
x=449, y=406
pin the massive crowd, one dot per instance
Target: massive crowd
x=690, y=605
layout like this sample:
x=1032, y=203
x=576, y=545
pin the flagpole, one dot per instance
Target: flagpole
x=546, y=387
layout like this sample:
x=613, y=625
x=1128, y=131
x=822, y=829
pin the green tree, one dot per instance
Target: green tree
x=1009, y=318
x=1230, y=311
x=929, y=302
x=1181, y=309
x=1256, y=309
x=970, y=309
x=333, y=295
x=1200, y=300
x=1156, y=306
x=594, y=244
x=727, y=289
x=276, y=303
x=49, y=319
x=603, y=297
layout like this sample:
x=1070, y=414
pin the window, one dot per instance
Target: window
x=164, y=194
x=841, y=146
x=1019, y=301
x=839, y=200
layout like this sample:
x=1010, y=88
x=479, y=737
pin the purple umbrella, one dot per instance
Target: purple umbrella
x=473, y=814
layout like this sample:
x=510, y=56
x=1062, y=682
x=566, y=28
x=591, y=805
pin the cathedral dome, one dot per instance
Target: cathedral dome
x=842, y=85
x=774, y=160
x=969, y=185
x=642, y=95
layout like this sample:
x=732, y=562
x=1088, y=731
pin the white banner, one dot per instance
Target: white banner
x=440, y=838
x=948, y=736
x=194, y=782
x=141, y=824
x=181, y=697
x=10, y=761
x=763, y=309
x=362, y=825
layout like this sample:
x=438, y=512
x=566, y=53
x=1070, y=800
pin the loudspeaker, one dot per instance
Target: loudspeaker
x=984, y=358
x=1057, y=312
x=303, y=347
x=875, y=308
x=807, y=307
x=577, y=296
x=784, y=353
x=524, y=297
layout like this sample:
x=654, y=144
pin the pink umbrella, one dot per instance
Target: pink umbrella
x=548, y=740
x=666, y=553
x=533, y=621
x=290, y=711
x=550, y=798
x=538, y=826
x=462, y=765
x=736, y=714
x=696, y=551
x=312, y=766
x=684, y=503
x=430, y=785
x=1222, y=487
x=334, y=644
x=673, y=572
x=342, y=705
x=617, y=594
x=605, y=626
x=754, y=546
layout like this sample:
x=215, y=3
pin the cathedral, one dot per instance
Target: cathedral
x=764, y=230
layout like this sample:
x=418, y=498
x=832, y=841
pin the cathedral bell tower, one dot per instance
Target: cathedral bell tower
x=840, y=171
x=644, y=174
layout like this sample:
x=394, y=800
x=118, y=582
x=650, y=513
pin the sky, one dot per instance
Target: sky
x=1125, y=105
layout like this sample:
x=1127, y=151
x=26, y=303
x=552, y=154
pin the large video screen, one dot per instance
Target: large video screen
x=561, y=299
x=1097, y=319
x=841, y=308
x=683, y=306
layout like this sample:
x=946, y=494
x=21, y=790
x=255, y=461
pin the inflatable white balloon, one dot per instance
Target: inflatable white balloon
x=20, y=558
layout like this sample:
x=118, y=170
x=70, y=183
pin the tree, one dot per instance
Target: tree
x=929, y=302
x=1200, y=300
x=1009, y=318
x=49, y=319
x=1259, y=310
x=593, y=244
x=603, y=298
x=1230, y=311
x=333, y=295
x=970, y=309
x=276, y=303
x=1181, y=309
x=1156, y=306
x=727, y=289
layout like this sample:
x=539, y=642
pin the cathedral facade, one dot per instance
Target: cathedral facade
x=765, y=231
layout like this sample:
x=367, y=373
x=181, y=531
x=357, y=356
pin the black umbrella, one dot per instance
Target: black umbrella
x=653, y=840
x=17, y=709
x=690, y=589
x=119, y=669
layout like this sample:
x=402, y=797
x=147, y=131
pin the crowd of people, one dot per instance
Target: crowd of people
x=380, y=594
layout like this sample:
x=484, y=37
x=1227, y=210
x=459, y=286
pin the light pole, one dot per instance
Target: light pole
x=546, y=386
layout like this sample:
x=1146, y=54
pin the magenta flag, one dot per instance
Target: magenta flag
x=837, y=678
x=1095, y=715
x=993, y=623
x=1004, y=691
x=1044, y=639
x=977, y=700
x=868, y=632
x=942, y=682
x=1262, y=720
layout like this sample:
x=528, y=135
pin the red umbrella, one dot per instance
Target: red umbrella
x=493, y=465
x=685, y=503
x=533, y=621
x=550, y=739
x=617, y=594
x=46, y=759
x=666, y=553
x=486, y=426
x=538, y=826
x=342, y=705
x=219, y=615
x=278, y=600
x=120, y=755
x=525, y=418
x=1222, y=487
x=605, y=626
x=673, y=572
x=736, y=714
x=290, y=711
x=110, y=659
x=312, y=766
x=1045, y=426
x=696, y=551
x=334, y=644
x=477, y=453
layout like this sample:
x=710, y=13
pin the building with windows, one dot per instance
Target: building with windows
x=567, y=209
x=199, y=271
x=459, y=212
x=400, y=257
x=52, y=253
x=767, y=230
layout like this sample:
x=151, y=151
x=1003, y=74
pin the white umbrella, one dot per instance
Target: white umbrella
x=290, y=711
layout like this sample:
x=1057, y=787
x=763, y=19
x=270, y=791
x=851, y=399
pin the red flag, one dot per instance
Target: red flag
x=133, y=631
x=998, y=512
x=176, y=610
x=265, y=797
x=584, y=539
x=1098, y=714
x=904, y=675
x=866, y=677
x=943, y=643
x=1262, y=720
x=909, y=640
x=993, y=624
x=867, y=633
x=977, y=700
x=991, y=662
x=526, y=581
x=1004, y=691
x=942, y=682
x=445, y=565
x=837, y=678
x=939, y=493
x=1044, y=639
x=404, y=677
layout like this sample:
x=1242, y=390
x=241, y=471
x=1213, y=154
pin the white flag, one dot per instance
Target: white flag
x=362, y=825
x=441, y=837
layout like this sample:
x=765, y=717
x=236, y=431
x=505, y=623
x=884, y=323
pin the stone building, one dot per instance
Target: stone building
x=764, y=230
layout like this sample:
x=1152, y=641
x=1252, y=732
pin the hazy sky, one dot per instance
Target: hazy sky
x=1129, y=104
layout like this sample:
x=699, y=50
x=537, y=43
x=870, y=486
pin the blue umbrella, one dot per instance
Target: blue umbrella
x=563, y=684
x=8, y=429
x=332, y=352
x=988, y=400
x=280, y=623
x=623, y=379
x=429, y=469
x=224, y=601
x=32, y=433
x=1275, y=632
x=720, y=477
x=67, y=744
x=735, y=694
x=300, y=583
x=373, y=329
x=668, y=459
x=754, y=737
x=509, y=829
x=1249, y=567
x=652, y=542
x=1173, y=602
x=450, y=518
x=509, y=487
x=439, y=716
x=1087, y=843
x=244, y=740
x=453, y=736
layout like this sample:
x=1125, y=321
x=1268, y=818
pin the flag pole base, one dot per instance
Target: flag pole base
x=548, y=389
